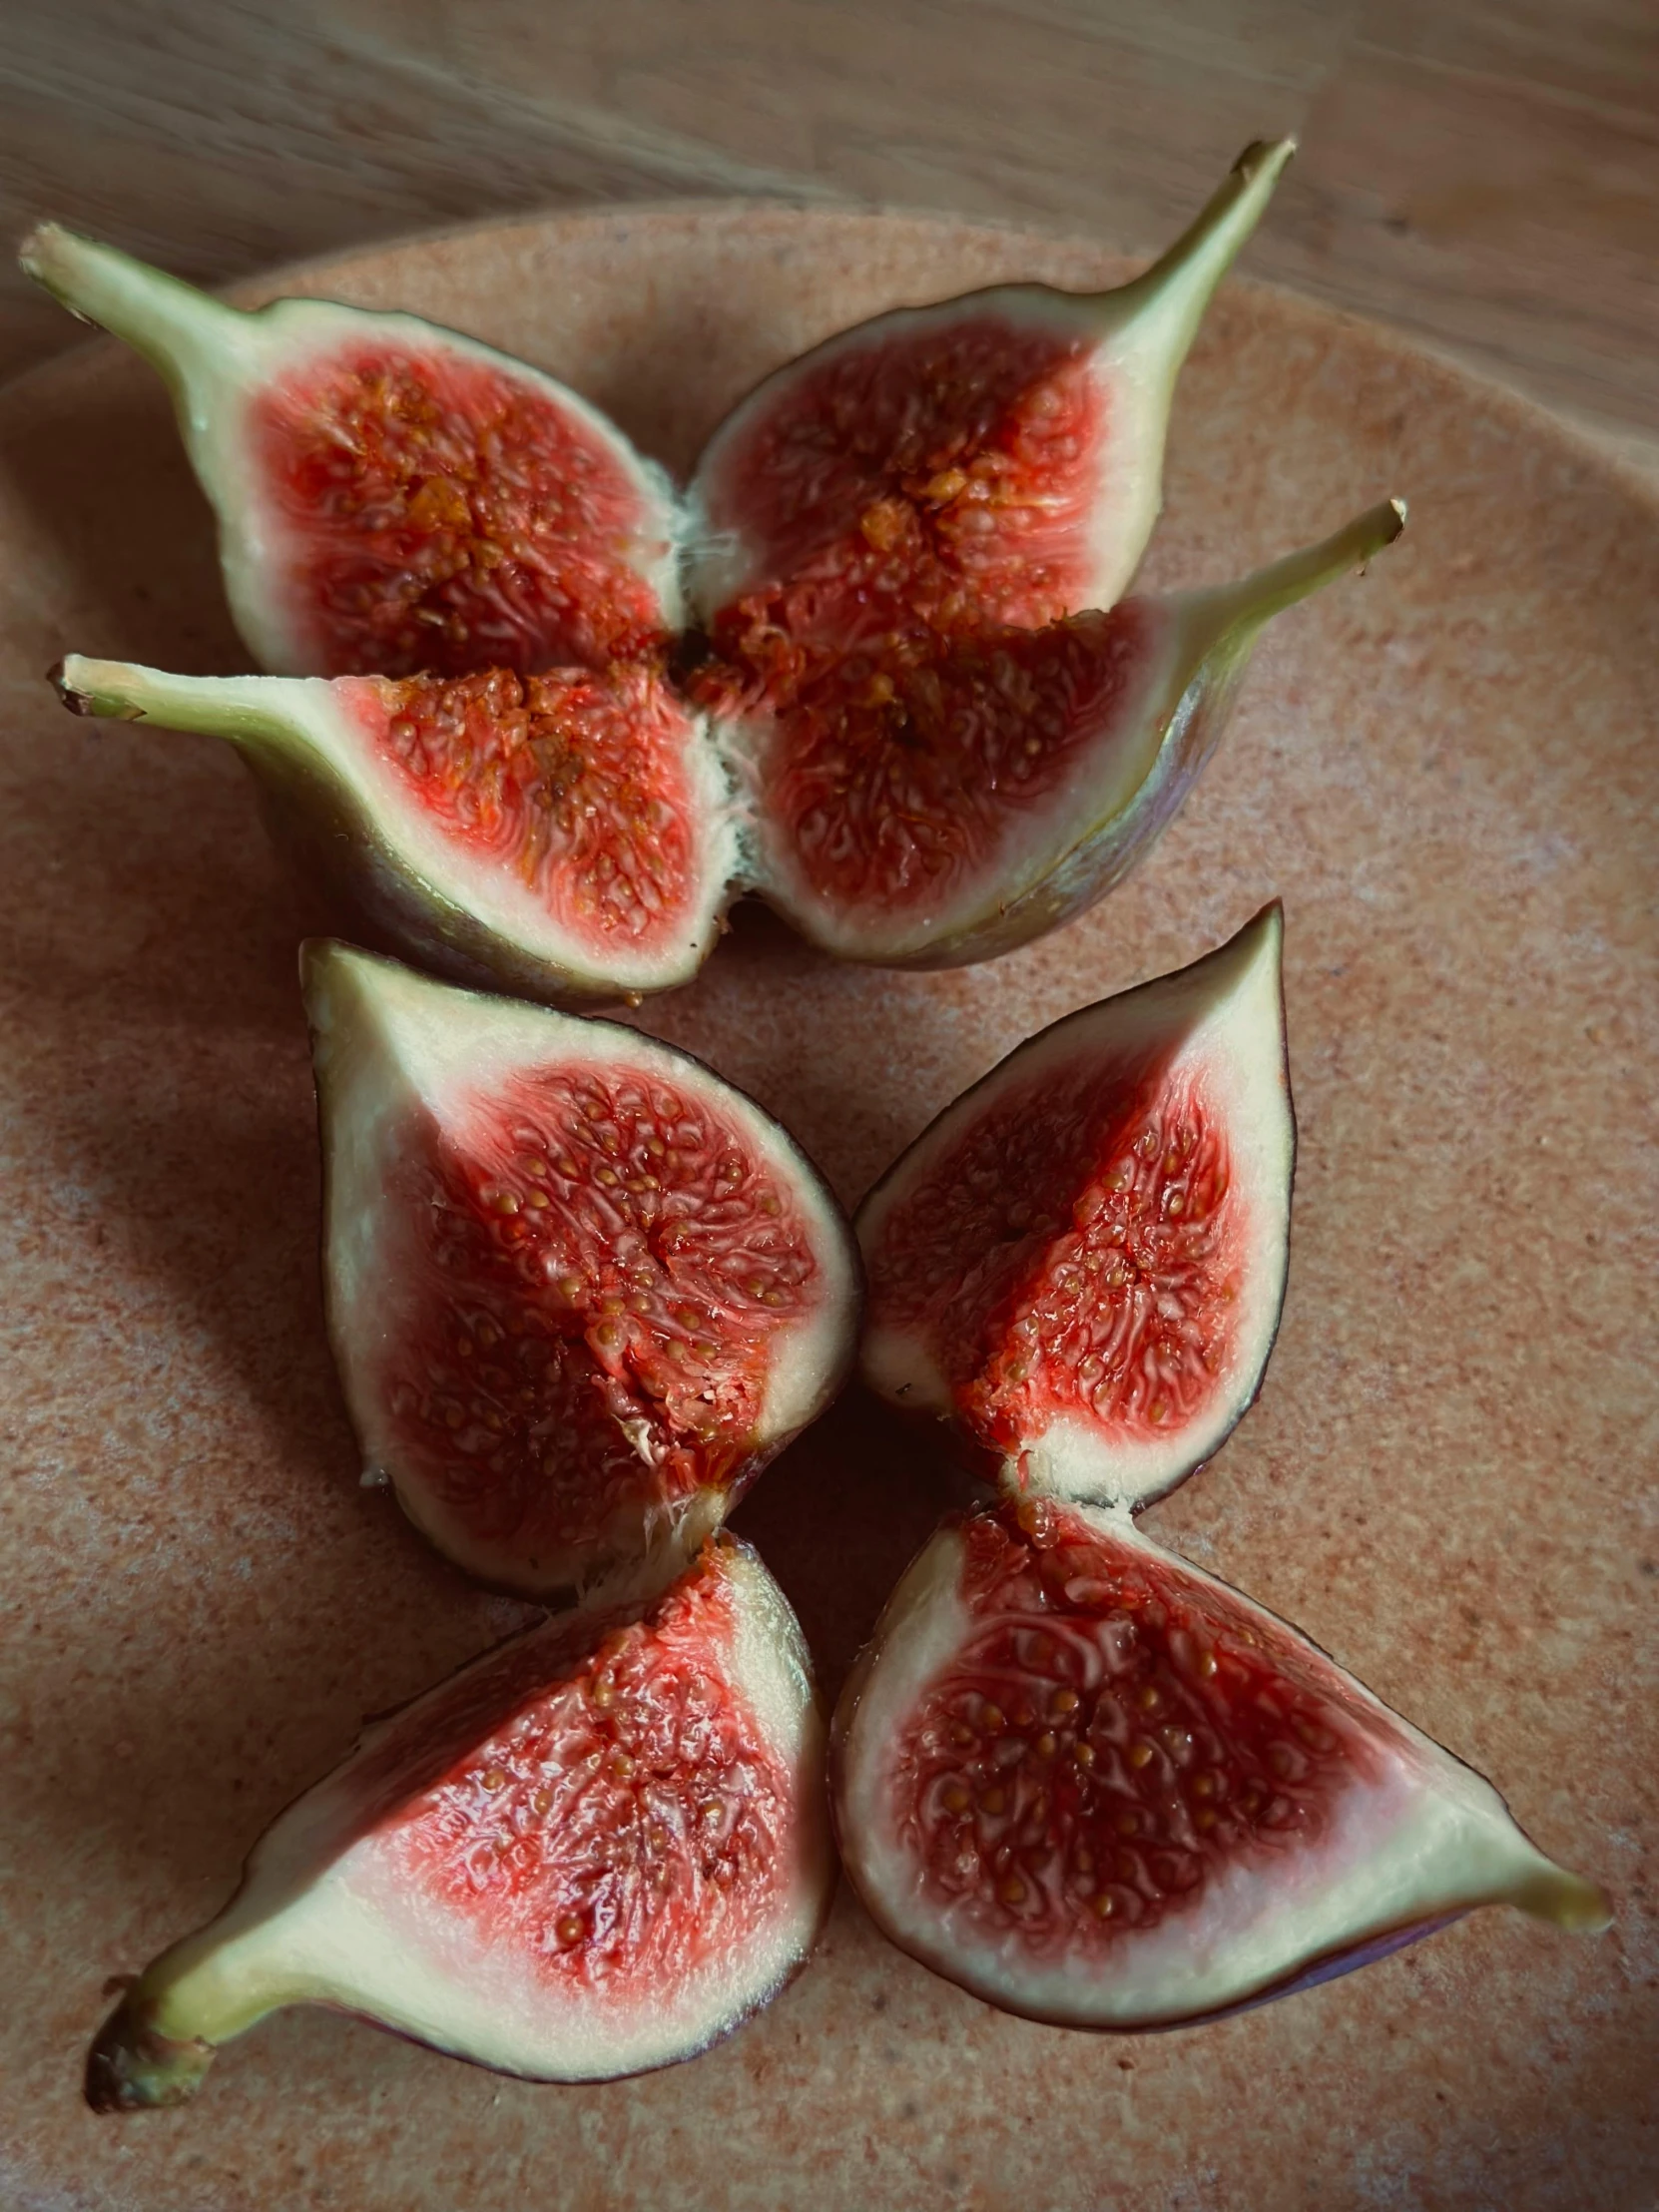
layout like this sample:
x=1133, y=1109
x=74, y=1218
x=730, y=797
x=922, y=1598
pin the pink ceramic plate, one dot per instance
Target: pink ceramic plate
x=1447, y=768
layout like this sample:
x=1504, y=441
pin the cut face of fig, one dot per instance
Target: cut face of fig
x=567, y=834
x=579, y=1291
x=1080, y=1264
x=1097, y=1787
x=914, y=719
x=592, y=1852
x=953, y=798
x=392, y=497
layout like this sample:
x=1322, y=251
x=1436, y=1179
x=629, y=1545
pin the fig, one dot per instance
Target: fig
x=1095, y=1786
x=1079, y=1266
x=566, y=835
x=594, y=1851
x=392, y=497
x=992, y=460
x=579, y=1291
x=573, y=835
x=916, y=717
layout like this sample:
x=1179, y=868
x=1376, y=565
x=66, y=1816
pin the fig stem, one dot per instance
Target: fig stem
x=217, y=705
x=1177, y=288
x=175, y=326
x=1235, y=612
x=133, y=2068
x=1550, y=1893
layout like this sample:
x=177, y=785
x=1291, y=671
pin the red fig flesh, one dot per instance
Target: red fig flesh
x=912, y=735
x=1080, y=1264
x=1097, y=1787
x=580, y=1290
x=594, y=1851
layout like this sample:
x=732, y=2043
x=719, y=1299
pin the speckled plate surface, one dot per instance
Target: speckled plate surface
x=1450, y=769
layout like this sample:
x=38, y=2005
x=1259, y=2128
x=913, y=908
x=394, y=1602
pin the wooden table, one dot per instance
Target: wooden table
x=1484, y=173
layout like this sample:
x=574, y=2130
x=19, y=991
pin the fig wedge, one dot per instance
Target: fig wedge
x=580, y=1290
x=1097, y=1787
x=594, y=1851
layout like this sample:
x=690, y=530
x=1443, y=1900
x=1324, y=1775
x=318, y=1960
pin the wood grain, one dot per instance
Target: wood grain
x=1485, y=174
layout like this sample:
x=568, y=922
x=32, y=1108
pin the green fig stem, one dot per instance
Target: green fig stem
x=1231, y=614
x=1550, y=1893
x=1177, y=286
x=217, y=705
x=157, y=2045
x=170, y=322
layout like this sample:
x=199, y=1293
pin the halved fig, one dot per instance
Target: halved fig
x=392, y=497
x=567, y=835
x=992, y=460
x=921, y=744
x=1096, y=1786
x=1079, y=1266
x=594, y=1851
x=579, y=1291
x=575, y=834
x=948, y=799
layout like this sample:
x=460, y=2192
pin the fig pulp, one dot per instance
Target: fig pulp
x=1097, y=1787
x=1079, y=1266
x=592, y=1852
x=919, y=726
x=579, y=1291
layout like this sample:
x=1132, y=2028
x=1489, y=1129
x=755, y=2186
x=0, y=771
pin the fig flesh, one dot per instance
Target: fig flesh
x=594, y=1851
x=1079, y=1266
x=580, y=1290
x=576, y=834
x=1097, y=1787
x=921, y=725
